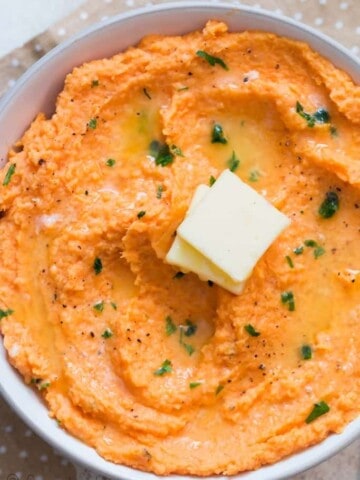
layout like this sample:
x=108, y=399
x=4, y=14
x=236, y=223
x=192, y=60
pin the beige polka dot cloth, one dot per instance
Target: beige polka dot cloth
x=24, y=456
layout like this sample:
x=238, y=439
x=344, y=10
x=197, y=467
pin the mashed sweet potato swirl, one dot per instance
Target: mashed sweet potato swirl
x=156, y=369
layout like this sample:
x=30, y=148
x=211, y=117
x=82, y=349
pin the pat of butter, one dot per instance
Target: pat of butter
x=232, y=226
x=183, y=255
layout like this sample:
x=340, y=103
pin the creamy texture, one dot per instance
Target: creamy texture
x=64, y=208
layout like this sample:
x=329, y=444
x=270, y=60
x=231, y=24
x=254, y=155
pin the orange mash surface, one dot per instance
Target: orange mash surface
x=152, y=368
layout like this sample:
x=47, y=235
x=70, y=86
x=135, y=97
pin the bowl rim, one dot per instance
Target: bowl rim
x=308, y=457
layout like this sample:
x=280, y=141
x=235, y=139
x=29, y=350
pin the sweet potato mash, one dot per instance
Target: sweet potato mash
x=155, y=368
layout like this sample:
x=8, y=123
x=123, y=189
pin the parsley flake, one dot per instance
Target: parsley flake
x=107, y=333
x=161, y=153
x=233, y=162
x=92, y=123
x=219, y=389
x=159, y=191
x=306, y=352
x=166, y=367
x=10, y=172
x=289, y=261
x=320, y=408
x=193, y=385
x=94, y=83
x=254, y=176
x=146, y=93
x=330, y=205
x=321, y=115
x=212, y=180
x=98, y=266
x=114, y=306
x=170, y=326
x=333, y=131
x=99, y=306
x=110, y=162
x=211, y=59
x=176, y=151
x=287, y=298
x=251, y=330
x=298, y=250
x=141, y=214
x=217, y=134
x=5, y=313
x=190, y=329
x=318, y=249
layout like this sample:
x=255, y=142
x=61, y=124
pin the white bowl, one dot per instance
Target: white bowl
x=36, y=91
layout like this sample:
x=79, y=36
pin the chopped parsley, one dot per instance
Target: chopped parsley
x=166, y=367
x=318, y=249
x=178, y=275
x=320, y=408
x=98, y=266
x=5, y=313
x=330, y=205
x=43, y=385
x=251, y=330
x=190, y=329
x=254, y=176
x=298, y=250
x=287, y=298
x=92, y=123
x=193, y=385
x=217, y=134
x=10, y=172
x=321, y=115
x=182, y=89
x=99, y=306
x=161, y=152
x=306, y=352
x=212, y=180
x=189, y=348
x=114, y=306
x=219, y=389
x=110, y=162
x=170, y=326
x=289, y=261
x=146, y=93
x=212, y=60
x=159, y=191
x=141, y=214
x=333, y=131
x=107, y=333
x=176, y=151
x=94, y=83
x=233, y=162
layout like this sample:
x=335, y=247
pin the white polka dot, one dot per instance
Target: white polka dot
x=23, y=454
x=322, y=2
x=11, y=82
x=44, y=458
x=39, y=477
x=84, y=15
x=64, y=462
x=38, y=47
x=8, y=429
x=357, y=31
x=318, y=21
x=15, y=62
x=61, y=32
x=3, y=449
x=298, y=16
x=28, y=433
x=130, y=3
x=355, y=49
x=344, y=6
x=339, y=25
x=18, y=475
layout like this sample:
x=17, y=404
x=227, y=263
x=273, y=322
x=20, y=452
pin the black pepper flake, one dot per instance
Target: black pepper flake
x=41, y=161
x=2, y=213
x=92, y=334
x=245, y=79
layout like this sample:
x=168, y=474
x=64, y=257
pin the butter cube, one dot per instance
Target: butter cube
x=232, y=226
x=183, y=255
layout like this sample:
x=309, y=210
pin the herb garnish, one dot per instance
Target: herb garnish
x=94, y=83
x=114, y=306
x=44, y=385
x=306, y=352
x=176, y=151
x=217, y=135
x=110, y=162
x=298, y=250
x=189, y=348
x=146, y=93
x=161, y=152
x=170, y=326
x=233, y=162
x=219, y=388
x=287, y=298
x=212, y=60
x=159, y=191
x=333, y=131
x=92, y=123
x=141, y=214
x=5, y=313
x=107, y=333
x=194, y=384
x=99, y=306
x=179, y=275
x=251, y=330
x=289, y=261
x=10, y=172
x=190, y=328
x=98, y=266
x=320, y=116
x=318, y=249
x=330, y=205
x=166, y=367
x=254, y=176
x=319, y=409
x=212, y=180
